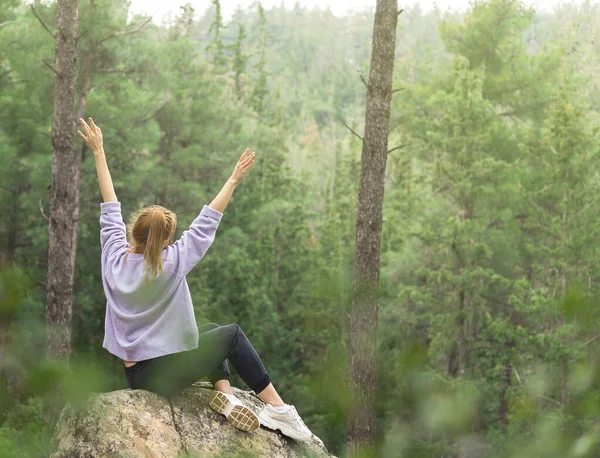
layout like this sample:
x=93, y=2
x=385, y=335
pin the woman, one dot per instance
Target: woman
x=150, y=322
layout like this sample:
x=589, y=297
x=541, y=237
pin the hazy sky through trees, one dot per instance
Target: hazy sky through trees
x=337, y=6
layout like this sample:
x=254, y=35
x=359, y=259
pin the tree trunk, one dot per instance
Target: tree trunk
x=460, y=334
x=64, y=195
x=362, y=316
x=3, y=338
x=506, y=384
x=11, y=246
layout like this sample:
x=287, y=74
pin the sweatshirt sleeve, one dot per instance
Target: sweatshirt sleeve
x=112, y=228
x=195, y=241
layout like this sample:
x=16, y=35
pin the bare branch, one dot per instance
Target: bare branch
x=126, y=32
x=11, y=190
x=350, y=129
x=523, y=109
x=400, y=12
x=5, y=23
x=554, y=401
x=42, y=211
x=398, y=90
x=148, y=118
x=51, y=67
x=364, y=81
x=589, y=341
x=42, y=22
x=362, y=77
x=44, y=133
x=397, y=147
x=113, y=70
x=518, y=377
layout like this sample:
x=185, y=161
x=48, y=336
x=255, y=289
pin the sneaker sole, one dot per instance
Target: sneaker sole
x=240, y=417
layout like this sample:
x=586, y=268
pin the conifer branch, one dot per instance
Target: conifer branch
x=42, y=211
x=362, y=78
x=113, y=70
x=126, y=32
x=42, y=22
x=350, y=129
x=397, y=147
x=364, y=81
x=51, y=68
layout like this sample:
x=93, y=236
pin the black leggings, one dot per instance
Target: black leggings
x=169, y=375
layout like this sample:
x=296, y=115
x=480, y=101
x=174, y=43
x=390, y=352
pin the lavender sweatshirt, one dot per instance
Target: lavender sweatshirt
x=150, y=318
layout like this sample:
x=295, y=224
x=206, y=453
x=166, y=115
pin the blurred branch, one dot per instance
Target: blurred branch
x=397, y=147
x=517, y=374
x=44, y=133
x=362, y=78
x=350, y=129
x=126, y=32
x=148, y=118
x=5, y=23
x=523, y=109
x=50, y=67
x=42, y=22
x=559, y=404
x=113, y=70
x=399, y=12
x=593, y=339
x=13, y=191
x=398, y=90
x=42, y=211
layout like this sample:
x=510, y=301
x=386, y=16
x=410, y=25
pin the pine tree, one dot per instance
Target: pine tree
x=260, y=88
x=362, y=314
x=217, y=47
x=64, y=197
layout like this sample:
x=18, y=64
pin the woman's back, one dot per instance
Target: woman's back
x=148, y=317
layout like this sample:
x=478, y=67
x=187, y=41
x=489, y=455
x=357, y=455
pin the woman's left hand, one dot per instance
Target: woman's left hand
x=93, y=136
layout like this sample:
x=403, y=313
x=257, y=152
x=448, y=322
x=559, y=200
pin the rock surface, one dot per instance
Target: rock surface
x=137, y=423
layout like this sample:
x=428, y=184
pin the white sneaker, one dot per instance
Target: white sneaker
x=288, y=422
x=240, y=416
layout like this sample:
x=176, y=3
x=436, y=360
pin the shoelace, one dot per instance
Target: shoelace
x=297, y=417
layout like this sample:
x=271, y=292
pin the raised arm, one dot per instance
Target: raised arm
x=93, y=138
x=195, y=241
x=112, y=227
x=220, y=202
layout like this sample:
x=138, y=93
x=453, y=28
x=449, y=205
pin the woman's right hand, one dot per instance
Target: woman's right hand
x=242, y=167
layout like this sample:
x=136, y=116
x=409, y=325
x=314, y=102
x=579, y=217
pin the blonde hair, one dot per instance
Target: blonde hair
x=149, y=229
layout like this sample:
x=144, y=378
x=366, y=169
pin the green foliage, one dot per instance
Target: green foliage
x=489, y=265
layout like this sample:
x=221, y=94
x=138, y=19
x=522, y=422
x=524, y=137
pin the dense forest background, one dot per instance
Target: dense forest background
x=488, y=333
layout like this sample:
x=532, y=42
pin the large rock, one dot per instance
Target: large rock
x=137, y=423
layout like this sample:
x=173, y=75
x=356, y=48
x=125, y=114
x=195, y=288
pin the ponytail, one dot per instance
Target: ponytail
x=149, y=229
x=157, y=234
